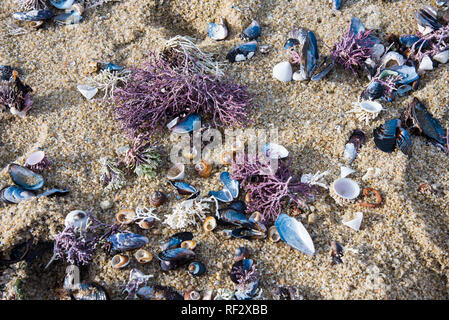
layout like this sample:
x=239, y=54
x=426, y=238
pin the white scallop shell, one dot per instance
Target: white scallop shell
x=177, y=167
x=355, y=222
x=87, y=91
x=35, y=158
x=371, y=106
x=426, y=64
x=441, y=57
x=283, y=71
x=76, y=219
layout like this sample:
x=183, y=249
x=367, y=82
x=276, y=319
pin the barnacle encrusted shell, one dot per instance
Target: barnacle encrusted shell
x=344, y=191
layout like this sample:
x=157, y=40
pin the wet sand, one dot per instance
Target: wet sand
x=401, y=250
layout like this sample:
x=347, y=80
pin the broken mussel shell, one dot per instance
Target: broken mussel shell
x=88, y=291
x=185, y=125
x=173, y=258
x=185, y=189
x=252, y=32
x=344, y=191
x=126, y=241
x=416, y=117
x=241, y=253
x=176, y=240
x=25, y=178
x=336, y=252
x=427, y=18
x=292, y=232
x=217, y=31
x=143, y=256
x=242, y=52
x=238, y=205
x=197, y=268
x=158, y=198
x=375, y=90
x=356, y=140
x=119, y=261
x=230, y=191
x=33, y=15
x=72, y=16
x=249, y=234
x=390, y=134
x=15, y=194
x=158, y=293
x=62, y=4
x=275, y=151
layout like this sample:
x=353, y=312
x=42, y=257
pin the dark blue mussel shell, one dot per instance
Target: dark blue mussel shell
x=176, y=240
x=231, y=216
x=337, y=4
x=88, y=291
x=426, y=123
x=222, y=195
x=357, y=26
x=158, y=292
x=375, y=90
x=231, y=185
x=427, y=19
x=410, y=40
x=238, y=205
x=187, y=124
x=236, y=268
x=173, y=258
x=62, y=4
x=252, y=32
x=248, y=233
x=243, y=52
x=404, y=141
x=385, y=135
x=185, y=189
x=15, y=194
x=68, y=18
x=125, y=241
x=25, y=178
x=33, y=15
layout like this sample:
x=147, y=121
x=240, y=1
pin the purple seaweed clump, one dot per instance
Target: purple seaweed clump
x=168, y=86
x=437, y=41
x=77, y=246
x=267, y=187
x=142, y=158
x=352, y=50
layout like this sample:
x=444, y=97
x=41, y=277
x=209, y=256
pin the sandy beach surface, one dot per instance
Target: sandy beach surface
x=401, y=250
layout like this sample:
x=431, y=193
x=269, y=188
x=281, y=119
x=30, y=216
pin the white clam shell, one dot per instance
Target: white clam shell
x=392, y=56
x=35, y=158
x=87, y=91
x=180, y=168
x=441, y=57
x=283, y=71
x=355, y=222
x=349, y=152
x=426, y=64
x=274, y=151
x=371, y=106
x=299, y=76
x=345, y=171
x=76, y=219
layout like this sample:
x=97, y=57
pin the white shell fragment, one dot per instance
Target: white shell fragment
x=76, y=219
x=426, y=64
x=355, y=222
x=345, y=171
x=350, y=152
x=294, y=234
x=176, y=172
x=371, y=173
x=371, y=106
x=299, y=76
x=441, y=57
x=275, y=151
x=87, y=91
x=283, y=71
x=392, y=56
x=35, y=158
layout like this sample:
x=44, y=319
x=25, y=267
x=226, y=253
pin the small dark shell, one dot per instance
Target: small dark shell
x=197, y=268
x=238, y=205
x=176, y=240
x=249, y=234
x=231, y=216
x=243, y=52
x=158, y=198
x=185, y=189
x=178, y=255
x=236, y=268
x=385, y=135
x=336, y=253
x=33, y=15
x=89, y=291
x=357, y=138
x=241, y=253
x=404, y=141
x=6, y=72
x=375, y=90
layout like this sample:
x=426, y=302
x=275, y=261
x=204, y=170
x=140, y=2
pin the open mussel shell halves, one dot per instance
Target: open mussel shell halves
x=404, y=141
x=25, y=178
x=33, y=15
x=187, y=124
x=294, y=234
x=125, y=241
x=88, y=291
x=231, y=185
x=385, y=135
x=15, y=194
x=185, y=189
